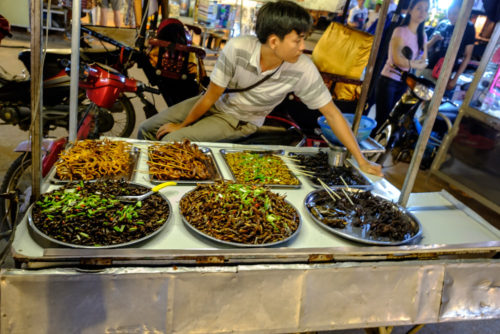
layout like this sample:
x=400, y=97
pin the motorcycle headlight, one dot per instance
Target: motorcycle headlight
x=423, y=92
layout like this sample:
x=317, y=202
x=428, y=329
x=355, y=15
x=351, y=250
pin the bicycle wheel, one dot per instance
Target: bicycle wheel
x=18, y=180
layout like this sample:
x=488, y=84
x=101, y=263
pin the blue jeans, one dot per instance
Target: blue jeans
x=389, y=91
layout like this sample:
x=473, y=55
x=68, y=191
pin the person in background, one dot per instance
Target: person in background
x=410, y=33
x=438, y=45
x=4, y=28
x=392, y=6
x=373, y=15
x=272, y=64
x=358, y=15
x=116, y=7
x=137, y=12
x=393, y=20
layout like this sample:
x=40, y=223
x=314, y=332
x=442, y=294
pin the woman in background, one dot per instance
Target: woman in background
x=410, y=33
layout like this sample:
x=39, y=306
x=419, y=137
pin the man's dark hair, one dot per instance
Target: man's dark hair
x=281, y=18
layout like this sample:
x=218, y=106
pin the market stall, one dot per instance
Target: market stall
x=450, y=273
x=181, y=281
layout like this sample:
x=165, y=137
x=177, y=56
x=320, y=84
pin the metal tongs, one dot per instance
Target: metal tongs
x=136, y=198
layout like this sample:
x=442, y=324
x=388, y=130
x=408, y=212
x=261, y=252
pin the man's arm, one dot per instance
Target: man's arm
x=199, y=109
x=467, y=56
x=343, y=132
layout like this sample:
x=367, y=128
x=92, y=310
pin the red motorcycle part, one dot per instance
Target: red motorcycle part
x=85, y=128
x=4, y=28
x=51, y=157
x=103, y=85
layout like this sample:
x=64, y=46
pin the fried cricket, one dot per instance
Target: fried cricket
x=240, y=213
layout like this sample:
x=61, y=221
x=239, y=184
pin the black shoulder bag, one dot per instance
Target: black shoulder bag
x=239, y=90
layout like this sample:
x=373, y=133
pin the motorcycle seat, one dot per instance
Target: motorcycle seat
x=448, y=108
x=52, y=65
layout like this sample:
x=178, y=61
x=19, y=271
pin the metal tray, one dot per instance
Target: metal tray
x=134, y=154
x=47, y=242
x=236, y=244
x=355, y=171
x=360, y=234
x=212, y=167
x=224, y=153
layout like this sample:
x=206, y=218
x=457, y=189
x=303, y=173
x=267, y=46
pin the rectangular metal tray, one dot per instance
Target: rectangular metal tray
x=355, y=171
x=224, y=153
x=212, y=167
x=135, y=153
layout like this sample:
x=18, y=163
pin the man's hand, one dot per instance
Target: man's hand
x=167, y=128
x=370, y=167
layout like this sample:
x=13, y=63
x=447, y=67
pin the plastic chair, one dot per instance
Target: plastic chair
x=179, y=70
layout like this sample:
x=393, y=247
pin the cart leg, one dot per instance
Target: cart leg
x=415, y=329
x=385, y=330
x=379, y=330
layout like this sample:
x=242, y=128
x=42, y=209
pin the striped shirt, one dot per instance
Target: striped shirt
x=238, y=66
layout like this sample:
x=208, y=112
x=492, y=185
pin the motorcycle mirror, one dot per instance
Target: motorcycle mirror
x=407, y=52
x=65, y=62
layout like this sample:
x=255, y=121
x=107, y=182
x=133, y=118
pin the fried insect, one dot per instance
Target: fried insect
x=318, y=165
x=95, y=159
x=378, y=216
x=240, y=213
x=257, y=168
x=178, y=161
x=89, y=213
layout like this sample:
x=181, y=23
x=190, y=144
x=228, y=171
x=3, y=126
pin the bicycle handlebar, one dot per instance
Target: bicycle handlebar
x=143, y=88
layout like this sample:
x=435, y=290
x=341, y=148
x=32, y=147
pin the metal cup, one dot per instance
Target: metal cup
x=337, y=155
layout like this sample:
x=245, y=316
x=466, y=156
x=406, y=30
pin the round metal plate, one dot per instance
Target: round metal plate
x=359, y=234
x=46, y=241
x=237, y=244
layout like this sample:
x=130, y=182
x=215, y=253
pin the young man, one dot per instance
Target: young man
x=275, y=52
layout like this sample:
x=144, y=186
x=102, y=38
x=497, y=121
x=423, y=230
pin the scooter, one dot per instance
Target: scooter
x=103, y=86
x=399, y=133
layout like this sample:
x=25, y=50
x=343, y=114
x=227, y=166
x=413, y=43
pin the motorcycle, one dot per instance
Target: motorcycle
x=400, y=131
x=115, y=120
x=103, y=87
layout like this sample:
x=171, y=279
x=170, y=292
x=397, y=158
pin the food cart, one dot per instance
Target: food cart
x=181, y=282
x=178, y=282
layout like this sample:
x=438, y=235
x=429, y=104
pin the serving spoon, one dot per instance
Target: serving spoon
x=136, y=198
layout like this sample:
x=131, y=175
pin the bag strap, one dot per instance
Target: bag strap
x=239, y=90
